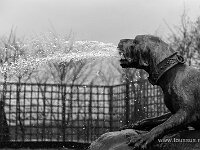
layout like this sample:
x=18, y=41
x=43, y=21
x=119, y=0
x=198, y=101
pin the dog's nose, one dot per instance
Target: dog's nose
x=124, y=40
x=121, y=42
x=120, y=46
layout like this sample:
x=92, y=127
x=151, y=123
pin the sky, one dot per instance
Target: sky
x=98, y=20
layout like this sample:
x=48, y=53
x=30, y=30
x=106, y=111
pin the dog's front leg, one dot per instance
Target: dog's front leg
x=177, y=119
x=147, y=124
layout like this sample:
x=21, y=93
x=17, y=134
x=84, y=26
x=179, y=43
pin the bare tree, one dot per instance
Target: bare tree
x=185, y=38
x=69, y=72
x=6, y=59
x=109, y=76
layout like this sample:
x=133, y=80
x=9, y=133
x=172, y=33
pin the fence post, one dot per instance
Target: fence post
x=90, y=126
x=63, y=92
x=127, y=103
x=18, y=115
x=111, y=107
x=4, y=129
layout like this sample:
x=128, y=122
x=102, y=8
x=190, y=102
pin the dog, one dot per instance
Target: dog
x=179, y=82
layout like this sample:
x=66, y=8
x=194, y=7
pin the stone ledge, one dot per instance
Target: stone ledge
x=184, y=140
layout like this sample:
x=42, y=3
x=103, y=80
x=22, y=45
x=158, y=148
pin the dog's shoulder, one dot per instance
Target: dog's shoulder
x=190, y=76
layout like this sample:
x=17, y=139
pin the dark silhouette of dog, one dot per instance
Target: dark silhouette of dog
x=179, y=82
x=180, y=85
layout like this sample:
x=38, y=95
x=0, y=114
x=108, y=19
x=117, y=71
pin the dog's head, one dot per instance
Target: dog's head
x=134, y=52
x=142, y=52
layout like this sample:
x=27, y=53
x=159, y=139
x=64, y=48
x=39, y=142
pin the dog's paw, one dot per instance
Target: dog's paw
x=131, y=126
x=141, y=141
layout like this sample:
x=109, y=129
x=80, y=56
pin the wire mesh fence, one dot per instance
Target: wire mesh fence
x=76, y=113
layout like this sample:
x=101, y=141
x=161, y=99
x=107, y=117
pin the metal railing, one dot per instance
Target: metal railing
x=73, y=113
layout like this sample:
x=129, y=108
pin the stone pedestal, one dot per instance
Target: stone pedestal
x=184, y=140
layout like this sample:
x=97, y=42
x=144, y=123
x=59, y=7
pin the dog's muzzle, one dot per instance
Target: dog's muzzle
x=126, y=60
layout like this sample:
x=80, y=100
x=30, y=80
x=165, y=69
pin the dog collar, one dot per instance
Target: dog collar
x=164, y=66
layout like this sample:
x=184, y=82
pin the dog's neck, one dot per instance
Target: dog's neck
x=161, y=68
